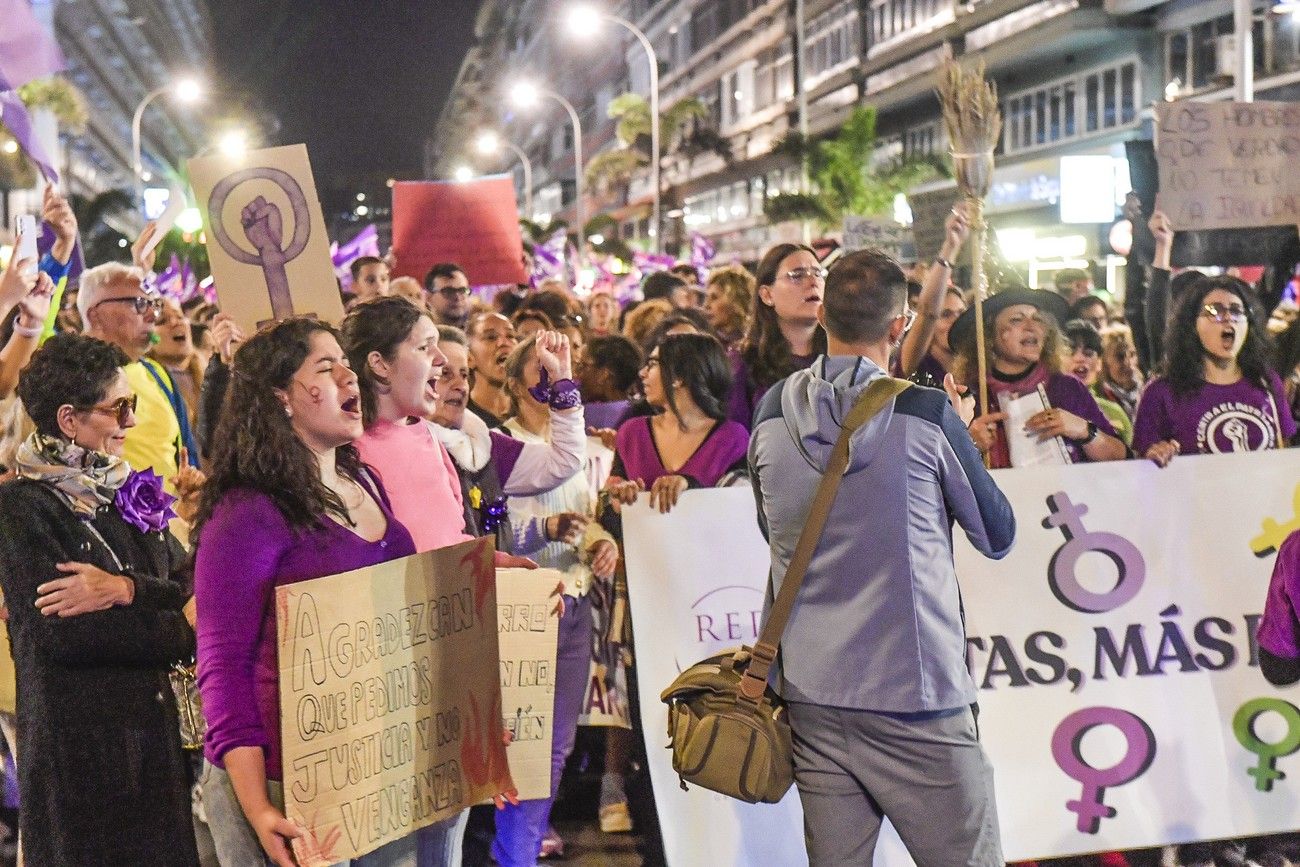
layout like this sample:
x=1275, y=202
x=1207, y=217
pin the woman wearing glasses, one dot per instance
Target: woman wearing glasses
x=94, y=588
x=1218, y=393
x=783, y=332
x=288, y=500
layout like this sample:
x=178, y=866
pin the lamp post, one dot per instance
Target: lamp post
x=525, y=94
x=583, y=20
x=491, y=144
x=186, y=90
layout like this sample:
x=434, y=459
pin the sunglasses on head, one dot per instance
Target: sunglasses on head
x=123, y=408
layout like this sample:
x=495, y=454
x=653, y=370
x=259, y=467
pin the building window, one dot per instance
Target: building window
x=1096, y=101
x=833, y=39
x=774, y=76
x=890, y=18
x=710, y=20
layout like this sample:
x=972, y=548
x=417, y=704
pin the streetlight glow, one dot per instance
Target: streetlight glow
x=524, y=94
x=234, y=143
x=10, y=147
x=463, y=173
x=189, y=90
x=362, y=210
x=189, y=220
x=361, y=197
x=488, y=143
x=583, y=20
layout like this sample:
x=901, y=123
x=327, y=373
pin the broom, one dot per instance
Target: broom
x=974, y=124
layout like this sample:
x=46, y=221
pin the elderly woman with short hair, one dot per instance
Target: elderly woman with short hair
x=93, y=583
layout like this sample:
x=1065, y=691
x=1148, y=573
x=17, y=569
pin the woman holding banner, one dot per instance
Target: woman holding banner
x=1024, y=354
x=288, y=500
x=94, y=587
x=1218, y=393
x=559, y=525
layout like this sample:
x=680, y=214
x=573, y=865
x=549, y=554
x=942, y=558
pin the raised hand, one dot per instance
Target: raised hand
x=263, y=226
x=555, y=354
x=226, y=336
x=56, y=211
x=956, y=229
x=142, y=260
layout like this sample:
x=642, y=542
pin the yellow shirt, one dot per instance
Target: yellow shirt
x=154, y=443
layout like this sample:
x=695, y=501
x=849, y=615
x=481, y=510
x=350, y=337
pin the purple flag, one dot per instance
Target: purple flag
x=702, y=251
x=366, y=243
x=27, y=49
x=549, y=258
x=13, y=114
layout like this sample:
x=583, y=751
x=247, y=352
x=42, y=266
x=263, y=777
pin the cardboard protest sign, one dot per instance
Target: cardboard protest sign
x=528, y=628
x=861, y=233
x=472, y=223
x=1228, y=165
x=266, y=236
x=390, y=699
x=929, y=210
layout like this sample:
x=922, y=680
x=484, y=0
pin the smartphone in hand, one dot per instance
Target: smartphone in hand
x=27, y=231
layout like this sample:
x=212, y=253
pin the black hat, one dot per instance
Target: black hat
x=963, y=330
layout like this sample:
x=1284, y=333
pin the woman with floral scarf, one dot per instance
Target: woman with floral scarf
x=92, y=581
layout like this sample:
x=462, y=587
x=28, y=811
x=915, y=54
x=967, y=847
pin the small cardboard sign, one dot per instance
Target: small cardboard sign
x=528, y=630
x=472, y=223
x=390, y=699
x=266, y=236
x=930, y=208
x=1228, y=165
x=861, y=233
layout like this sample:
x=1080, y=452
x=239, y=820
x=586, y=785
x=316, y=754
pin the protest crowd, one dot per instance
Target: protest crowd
x=167, y=469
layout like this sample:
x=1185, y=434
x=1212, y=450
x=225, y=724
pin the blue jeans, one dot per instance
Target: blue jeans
x=236, y=841
x=520, y=828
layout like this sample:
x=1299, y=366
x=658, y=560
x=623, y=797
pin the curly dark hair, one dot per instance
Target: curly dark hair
x=765, y=350
x=699, y=363
x=67, y=369
x=255, y=445
x=378, y=325
x=1184, y=354
x=618, y=355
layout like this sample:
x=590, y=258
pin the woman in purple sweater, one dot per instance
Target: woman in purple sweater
x=690, y=442
x=1218, y=393
x=287, y=500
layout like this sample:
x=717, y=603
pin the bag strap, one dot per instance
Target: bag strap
x=874, y=398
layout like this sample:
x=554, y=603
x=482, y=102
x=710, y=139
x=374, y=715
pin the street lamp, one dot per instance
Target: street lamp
x=233, y=143
x=525, y=94
x=463, y=174
x=490, y=144
x=584, y=20
x=186, y=90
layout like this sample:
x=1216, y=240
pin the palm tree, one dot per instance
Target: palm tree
x=845, y=181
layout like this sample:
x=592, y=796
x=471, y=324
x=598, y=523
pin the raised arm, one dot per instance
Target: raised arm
x=929, y=306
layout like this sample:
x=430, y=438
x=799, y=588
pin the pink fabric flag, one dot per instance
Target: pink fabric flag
x=27, y=49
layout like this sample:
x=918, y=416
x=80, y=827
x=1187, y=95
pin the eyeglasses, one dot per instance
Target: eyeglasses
x=649, y=363
x=123, y=408
x=453, y=291
x=141, y=303
x=798, y=275
x=1225, y=312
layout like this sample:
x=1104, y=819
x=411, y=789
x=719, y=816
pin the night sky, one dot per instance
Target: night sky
x=359, y=81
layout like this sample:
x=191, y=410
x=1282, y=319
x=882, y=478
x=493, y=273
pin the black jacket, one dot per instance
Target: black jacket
x=101, y=773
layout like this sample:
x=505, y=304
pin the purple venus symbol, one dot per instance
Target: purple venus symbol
x=1138, y=755
x=263, y=226
x=1130, y=567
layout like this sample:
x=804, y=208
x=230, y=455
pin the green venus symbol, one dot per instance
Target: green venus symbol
x=1243, y=726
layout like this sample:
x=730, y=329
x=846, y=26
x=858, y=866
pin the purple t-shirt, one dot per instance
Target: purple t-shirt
x=638, y=454
x=1214, y=419
x=247, y=550
x=1279, y=628
x=745, y=393
x=1063, y=392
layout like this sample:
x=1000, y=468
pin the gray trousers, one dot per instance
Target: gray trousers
x=930, y=777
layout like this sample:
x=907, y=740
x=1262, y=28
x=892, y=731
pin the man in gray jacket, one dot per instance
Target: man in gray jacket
x=872, y=663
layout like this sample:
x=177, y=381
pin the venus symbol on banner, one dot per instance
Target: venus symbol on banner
x=1243, y=726
x=1138, y=755
x=263, y=226
x=1061, y=572
x=1272, y=533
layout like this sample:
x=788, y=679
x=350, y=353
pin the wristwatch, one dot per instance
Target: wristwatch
x=1093, y=430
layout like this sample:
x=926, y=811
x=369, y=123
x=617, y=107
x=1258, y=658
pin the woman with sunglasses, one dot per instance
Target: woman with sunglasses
x=1218, y=393
x=288, y=500
x=783, y=332
x=95, y=591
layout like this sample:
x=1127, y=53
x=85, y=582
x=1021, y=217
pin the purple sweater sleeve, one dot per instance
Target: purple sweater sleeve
x=234, y=579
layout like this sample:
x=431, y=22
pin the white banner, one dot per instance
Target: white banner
x=1121, y=701
x=696, y=579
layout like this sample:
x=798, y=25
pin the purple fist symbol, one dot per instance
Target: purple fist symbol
x=263, y=226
